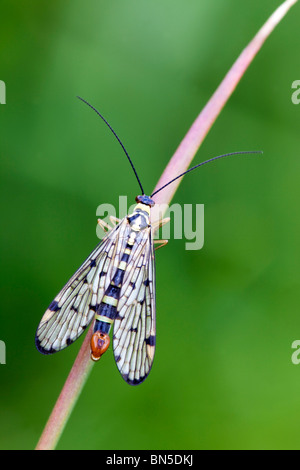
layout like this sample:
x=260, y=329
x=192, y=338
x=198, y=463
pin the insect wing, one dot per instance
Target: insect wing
x=74, y=307
x=134, y=327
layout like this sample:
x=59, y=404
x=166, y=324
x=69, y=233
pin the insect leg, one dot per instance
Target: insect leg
x=114, y=220
x=105, y=226
x=162, y=243
x=159, y=223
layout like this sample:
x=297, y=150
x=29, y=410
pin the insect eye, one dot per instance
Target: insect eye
x=145, y=200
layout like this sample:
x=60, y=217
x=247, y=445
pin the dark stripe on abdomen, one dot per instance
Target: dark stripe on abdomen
x=112, y=293
x=106, y=310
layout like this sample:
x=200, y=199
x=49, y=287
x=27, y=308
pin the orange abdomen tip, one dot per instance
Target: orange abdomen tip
x=99, y=344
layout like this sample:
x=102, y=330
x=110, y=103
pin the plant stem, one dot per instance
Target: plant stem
x=199, y=129
x=177, y=165
x=68, y=396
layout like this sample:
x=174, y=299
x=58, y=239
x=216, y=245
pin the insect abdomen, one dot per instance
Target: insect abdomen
x=107, y=309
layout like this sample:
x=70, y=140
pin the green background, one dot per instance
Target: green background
x=227, y=314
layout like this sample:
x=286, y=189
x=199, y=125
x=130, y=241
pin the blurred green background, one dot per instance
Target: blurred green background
x=227, y=314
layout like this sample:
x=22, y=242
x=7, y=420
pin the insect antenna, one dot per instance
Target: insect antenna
x=118, y=139
x=203, y=163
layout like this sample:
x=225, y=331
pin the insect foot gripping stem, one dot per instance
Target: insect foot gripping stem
x=99, y=344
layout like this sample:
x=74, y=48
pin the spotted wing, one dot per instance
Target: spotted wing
x=74, y=307
x=134, y=327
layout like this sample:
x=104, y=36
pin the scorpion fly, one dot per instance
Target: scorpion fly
x=115, y=286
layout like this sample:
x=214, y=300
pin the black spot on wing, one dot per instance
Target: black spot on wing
x=41, y=349
x=134, y=381
x=53, y=307
x=151, y=340
x=133, y=329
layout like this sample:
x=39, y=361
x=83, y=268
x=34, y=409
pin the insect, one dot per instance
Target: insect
x=115, y=286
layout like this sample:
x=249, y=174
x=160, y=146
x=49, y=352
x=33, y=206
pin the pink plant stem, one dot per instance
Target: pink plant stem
x=68, y=396
x=190, y=144
x=177, y=165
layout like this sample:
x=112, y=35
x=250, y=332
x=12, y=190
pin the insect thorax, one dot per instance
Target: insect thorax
x=140, y=218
